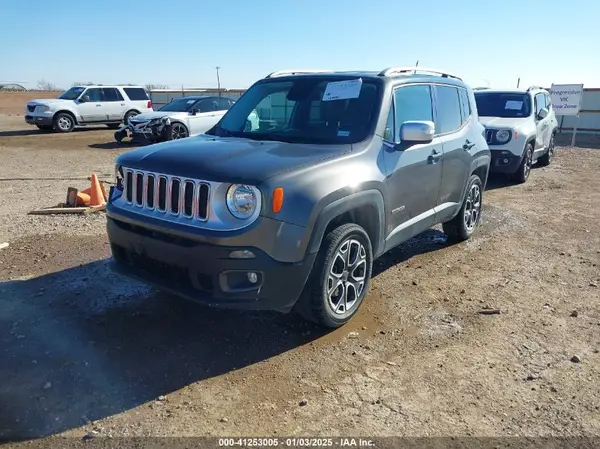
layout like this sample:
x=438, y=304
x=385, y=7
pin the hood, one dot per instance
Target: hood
x=227, y=159
x=146, y=116
x=502, y=122
x=49, y=101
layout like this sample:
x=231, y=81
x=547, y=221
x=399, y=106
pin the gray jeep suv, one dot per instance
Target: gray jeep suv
x=343, y=167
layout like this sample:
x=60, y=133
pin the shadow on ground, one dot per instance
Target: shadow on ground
x=34, y=131
x=85, y=343
x=114, y=146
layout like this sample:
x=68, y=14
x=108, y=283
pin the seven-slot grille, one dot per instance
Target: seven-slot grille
x=167, y=194
x=489, y=135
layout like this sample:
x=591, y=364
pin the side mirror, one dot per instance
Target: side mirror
x=416, y=132
x=543, y=113
x=84, y=99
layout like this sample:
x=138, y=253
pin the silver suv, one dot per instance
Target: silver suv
x=520, y=128
x=342, y=167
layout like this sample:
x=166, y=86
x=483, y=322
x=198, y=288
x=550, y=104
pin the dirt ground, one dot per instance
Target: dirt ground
x=87, y=352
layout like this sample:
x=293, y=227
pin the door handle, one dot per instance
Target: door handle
x=122, y=104
x=98, y=105
x=433, y=157
x=468, y=145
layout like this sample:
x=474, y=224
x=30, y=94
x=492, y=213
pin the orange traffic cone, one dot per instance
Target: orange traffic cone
x=96, y=194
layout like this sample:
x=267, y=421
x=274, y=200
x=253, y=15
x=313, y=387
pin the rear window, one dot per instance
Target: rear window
x=136, y=94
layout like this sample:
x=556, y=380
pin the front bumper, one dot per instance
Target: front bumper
x=504, y=161
x=38, y=120
x=203, y=272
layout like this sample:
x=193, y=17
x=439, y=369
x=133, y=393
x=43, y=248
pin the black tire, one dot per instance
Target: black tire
x=546, y=159
x=179, y=131
x=63, y=122
x=129, y=114
x=113, y=125
x=44, y=127
x=524, y=170
x=315, y=303
x=119, y=136
x=463, y=225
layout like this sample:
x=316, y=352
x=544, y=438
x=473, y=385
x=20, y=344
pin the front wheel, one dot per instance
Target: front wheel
x=525, y=168
x=63, y=123
x=340, y=278
x=179, y=131
x=462, y=226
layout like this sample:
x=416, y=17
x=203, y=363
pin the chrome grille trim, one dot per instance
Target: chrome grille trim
x=196, y=214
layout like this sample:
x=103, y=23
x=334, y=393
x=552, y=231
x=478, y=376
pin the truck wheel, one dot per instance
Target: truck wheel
x=340, y=278
x=525, y=168
x=128, y=115
x=546, y=159
x=63, y=123
x=462, y=226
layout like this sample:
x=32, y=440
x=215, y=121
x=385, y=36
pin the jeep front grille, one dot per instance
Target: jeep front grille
x=172, y=195
x=489, y=135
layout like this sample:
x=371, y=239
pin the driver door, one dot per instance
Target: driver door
x=205, y=117
x=92, y=109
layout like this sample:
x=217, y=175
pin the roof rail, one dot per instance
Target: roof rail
x=400, y=70
x=295, y=72
x=530, y=88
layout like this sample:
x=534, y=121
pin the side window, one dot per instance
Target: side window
x=93, y=94
x=449, y=116
x=412, y=103
x=540, y=103
x=548, y=102
x=112, y=94
x=207, y=105
x=465, y=106
x=388, y=134
x=136, y=93
x=223, y=104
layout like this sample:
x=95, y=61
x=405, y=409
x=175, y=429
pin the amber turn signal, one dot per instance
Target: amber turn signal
x=277, y=199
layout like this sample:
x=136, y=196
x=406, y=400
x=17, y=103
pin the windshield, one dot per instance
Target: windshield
x=304, y=110
x=507, y=105
x=72, y=94
x=179, y=105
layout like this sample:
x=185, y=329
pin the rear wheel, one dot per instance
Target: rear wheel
x=63, y=123
x=128, y=116
x=546, y=159
x=340, y=277
x=462, y=226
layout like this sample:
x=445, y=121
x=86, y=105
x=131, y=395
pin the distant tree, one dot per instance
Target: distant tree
x=46, y=85
x=156, y=86
x=79, y=83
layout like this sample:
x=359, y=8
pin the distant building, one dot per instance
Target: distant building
x=11, y=86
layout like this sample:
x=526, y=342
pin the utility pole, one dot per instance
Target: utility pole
x=218, y=80
x=518, y=82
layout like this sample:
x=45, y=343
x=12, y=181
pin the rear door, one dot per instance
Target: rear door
x=92, y=109
x=114, y=104
x=453, y=117
x=413, y=172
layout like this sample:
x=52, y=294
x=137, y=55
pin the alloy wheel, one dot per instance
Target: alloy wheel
x=178, y=131
x=472, y=207
x=64, y=123
x=347, y=276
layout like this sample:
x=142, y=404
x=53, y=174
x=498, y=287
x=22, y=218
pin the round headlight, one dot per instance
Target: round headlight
x=241, y=201
x=503, y=135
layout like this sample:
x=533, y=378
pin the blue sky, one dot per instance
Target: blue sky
x=179, y=42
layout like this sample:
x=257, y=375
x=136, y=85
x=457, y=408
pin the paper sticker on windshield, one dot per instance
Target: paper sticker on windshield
x=514, y=105
x=342, y=90
x=191, y=101
x=343, y=133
